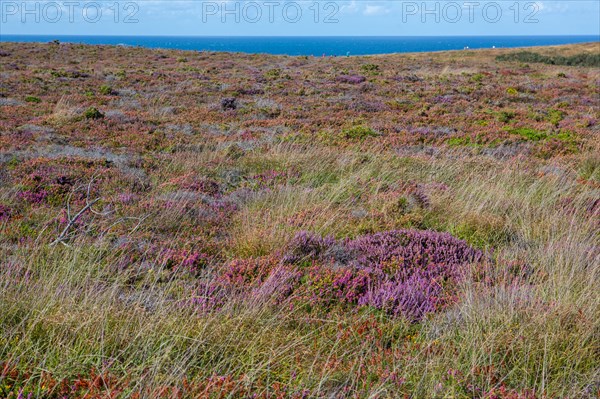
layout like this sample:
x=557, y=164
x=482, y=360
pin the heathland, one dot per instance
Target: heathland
x=210, y=225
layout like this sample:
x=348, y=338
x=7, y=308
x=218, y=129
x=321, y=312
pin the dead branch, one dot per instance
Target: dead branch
x=63, y=235
x=72, y=220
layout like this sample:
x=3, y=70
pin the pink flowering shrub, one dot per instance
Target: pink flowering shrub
x=408, y=249
x=33, y=197
x=404, y=273
x=178, y=259
x=261, y=279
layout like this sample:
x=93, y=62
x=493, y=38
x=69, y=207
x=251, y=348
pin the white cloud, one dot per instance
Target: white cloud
x=371, y=10
x=349, y=7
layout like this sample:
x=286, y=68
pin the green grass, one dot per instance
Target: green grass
x=528, y=134
x=106, y=90
x=359, y=133
x=33, y=99
x=70, y=311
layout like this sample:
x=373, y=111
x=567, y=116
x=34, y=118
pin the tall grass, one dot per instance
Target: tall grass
x=67, y=310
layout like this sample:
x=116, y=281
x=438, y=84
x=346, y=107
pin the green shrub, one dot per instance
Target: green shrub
x=93, y=113
x=371, y=69
x=481, y=230
x=106, y=90
x=478, y=77
x=359, y=133
x=273, y=73
x=458, y=141
x=506, y=116
x=529, y=134
x=33, y=99
x=555, y=116
x=582, y=59
x=401, y=105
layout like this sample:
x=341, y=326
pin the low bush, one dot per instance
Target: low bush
x=33, y=99
x=93, y=113
x=583, y=59
x=359, y=133
x=106, y=90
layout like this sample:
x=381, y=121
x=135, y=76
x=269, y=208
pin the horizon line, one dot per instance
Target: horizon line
x=292, y=36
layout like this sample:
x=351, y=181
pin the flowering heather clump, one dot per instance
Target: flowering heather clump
x=406, y=273
x=415, y=269
x=33, y=197
x=352, y=79
x=248, y=272
x=412, y=248
x=190, y=261
x=329, y=287
x=413, y=298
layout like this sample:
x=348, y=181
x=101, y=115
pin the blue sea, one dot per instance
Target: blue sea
x=317, y=46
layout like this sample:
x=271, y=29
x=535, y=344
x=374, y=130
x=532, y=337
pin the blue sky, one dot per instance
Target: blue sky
x=312, y=17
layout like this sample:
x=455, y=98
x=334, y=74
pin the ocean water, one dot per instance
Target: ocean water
x=316, y=46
